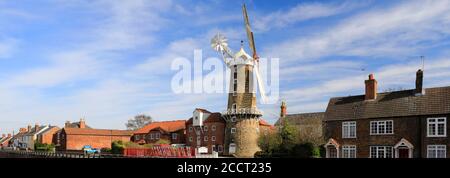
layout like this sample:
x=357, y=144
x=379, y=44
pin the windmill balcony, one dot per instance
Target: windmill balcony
x=252, y=111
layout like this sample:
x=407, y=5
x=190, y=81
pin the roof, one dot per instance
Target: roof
x=213, y=117
x=86, y=131
x=34, y=131
x=169, y=126
x=301, y=118
x=75, y=125
x=202, y=110
x=390, y=104
x=6, y=138
x=48, y=129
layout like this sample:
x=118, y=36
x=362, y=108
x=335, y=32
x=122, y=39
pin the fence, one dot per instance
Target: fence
x=160, y=152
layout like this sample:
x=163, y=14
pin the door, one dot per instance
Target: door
x=403, y=153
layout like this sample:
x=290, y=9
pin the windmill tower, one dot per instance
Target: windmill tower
x=242, y=115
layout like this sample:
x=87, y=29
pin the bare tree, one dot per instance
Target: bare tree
x=138, y=122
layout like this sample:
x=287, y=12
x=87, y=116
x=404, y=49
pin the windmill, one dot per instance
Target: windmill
x=242, y=115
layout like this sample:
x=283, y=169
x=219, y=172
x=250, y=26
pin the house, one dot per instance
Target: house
x=57, y=135
x=18, y=140
x=172, y=131
x=398, y=124
x=309, y=125
x=209, y=133
x=4, y=140
x=30, y=137
x=75, y=138
x=47, y=136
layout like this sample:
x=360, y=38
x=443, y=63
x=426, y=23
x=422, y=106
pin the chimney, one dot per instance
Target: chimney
x=22, y=130
x=29, y=128
x=82, y=123
x=283, y=109
x=371, y=88
x=419, y=83
x=9, y=135
x=3, y=135
x=36, y=127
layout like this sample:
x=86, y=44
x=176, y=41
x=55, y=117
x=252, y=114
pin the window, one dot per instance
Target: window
x=213, y=128
x=136, y=137
x=436, y=151
x=174, y=136
x=205, y=138
x=213, y=138
x=190, y=129
x=190, y=139
x=152, y=136
x=205, y=128
x=381, y=152
x=381, y=127
x=213, y=148
x=349, y=129
x=157, y=136
x=233, y=107
x=233, y=119
x=437, y=127
x=233, y=130
x=349, y=151
x=220, y=148
x=235, y=80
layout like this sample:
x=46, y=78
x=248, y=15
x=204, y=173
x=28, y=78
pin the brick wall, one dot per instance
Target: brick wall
x=219, y=133
x=76, y=142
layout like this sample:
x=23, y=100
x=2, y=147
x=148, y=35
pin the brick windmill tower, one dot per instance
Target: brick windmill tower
x=242, y=115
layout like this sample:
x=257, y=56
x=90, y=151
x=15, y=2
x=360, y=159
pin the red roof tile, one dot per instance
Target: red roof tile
x=169, y=126
x=86, y=131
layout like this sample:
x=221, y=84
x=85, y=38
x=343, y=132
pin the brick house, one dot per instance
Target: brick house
x=4, y=140
x=77, y=138
x=30, y=137
x=399, y=124
x=309, y=125
x=172, y=131
x=74, y=136
x=48, y=135
x=210, y=135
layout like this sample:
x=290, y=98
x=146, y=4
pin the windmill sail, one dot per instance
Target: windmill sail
x=251, y=40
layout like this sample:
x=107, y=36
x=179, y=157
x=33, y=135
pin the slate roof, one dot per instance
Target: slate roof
x=75, y=125
x=298, y=119
x=390, y=104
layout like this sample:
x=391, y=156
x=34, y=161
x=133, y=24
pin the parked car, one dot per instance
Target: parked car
x=87, y=149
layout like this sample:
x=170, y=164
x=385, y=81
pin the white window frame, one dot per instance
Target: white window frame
x=213, y=128
x=377, y=128
x=157, y=136
x=205, y=138
x=205, y=128
x=233, y=119
x=234, y=108
x=347, y=129
x=435, y=122
x=190, y=139
x=381, y=148
x=174, y=136
x=233, y=130
x=213, y=138
x=348, y=151
x=152, y=136
x=435, y=149
x=190, y=129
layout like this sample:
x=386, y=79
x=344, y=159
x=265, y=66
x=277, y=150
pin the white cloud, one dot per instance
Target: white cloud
x=398, y=30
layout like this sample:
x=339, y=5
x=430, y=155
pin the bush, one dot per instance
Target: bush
x=117, y=147
x=162, y=141
x=105, y=150
x=305, y=150
x=44, y=147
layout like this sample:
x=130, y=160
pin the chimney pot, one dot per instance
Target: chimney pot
x=36, y=127
x=283, y=109
x=9, y=135
x=371, y=88
x=419, y=83
x=82, y=123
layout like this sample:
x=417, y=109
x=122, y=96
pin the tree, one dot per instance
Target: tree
x=289, y=136
x=138, y=122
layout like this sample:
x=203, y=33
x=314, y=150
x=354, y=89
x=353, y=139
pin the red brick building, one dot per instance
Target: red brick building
x=172, y=131
x=76, y=135
x=399, y=124
x=210, y=135
x=48, y=135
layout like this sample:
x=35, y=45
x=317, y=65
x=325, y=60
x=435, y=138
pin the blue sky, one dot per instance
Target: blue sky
x=110, y=60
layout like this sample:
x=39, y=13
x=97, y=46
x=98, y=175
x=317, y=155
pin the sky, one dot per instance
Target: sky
x=108, y=61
